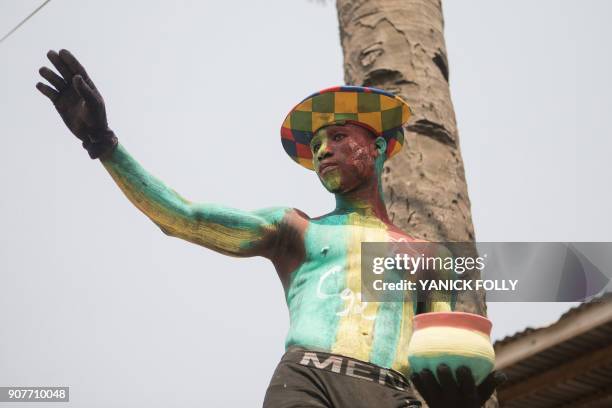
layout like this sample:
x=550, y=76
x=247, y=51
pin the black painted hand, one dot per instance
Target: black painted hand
x=448, y=393
x=78, y=102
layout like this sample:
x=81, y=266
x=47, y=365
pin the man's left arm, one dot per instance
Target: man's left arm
x=448, y=390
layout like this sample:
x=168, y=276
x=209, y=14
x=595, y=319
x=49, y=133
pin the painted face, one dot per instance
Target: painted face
x=344, y=156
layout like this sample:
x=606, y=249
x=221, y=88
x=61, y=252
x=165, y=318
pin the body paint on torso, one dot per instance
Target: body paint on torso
x=324, y=295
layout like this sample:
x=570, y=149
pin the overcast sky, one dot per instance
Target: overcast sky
x=92, y=294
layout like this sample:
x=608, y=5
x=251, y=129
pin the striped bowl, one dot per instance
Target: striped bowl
x=454, y=339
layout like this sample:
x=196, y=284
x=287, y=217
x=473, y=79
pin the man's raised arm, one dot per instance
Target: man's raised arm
x=81, y=107
x=226, y=230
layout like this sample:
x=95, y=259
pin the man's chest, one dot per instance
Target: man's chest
x=324, y=294
x=331, y=252
x=329, y=241
x=332, y=255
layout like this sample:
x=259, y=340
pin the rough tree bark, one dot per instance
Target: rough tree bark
x=398, y=45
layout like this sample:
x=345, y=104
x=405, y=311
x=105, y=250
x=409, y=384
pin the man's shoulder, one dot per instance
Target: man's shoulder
x=402, y=235
x=285, y=218
x=433, y=248
x=429, y=247
x=279, y=213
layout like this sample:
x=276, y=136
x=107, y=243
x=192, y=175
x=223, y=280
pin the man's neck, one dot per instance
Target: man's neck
x=367, y=202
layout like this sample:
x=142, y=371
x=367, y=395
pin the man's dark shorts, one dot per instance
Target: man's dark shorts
x=309, y=379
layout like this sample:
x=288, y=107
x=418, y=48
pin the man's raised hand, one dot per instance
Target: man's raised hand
x=78, y=102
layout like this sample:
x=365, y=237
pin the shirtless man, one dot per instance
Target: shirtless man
x=341, y=352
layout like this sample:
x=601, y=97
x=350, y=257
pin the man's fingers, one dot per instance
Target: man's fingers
x=486, y=388
x=75, y=66
x=420, y=387
x=432, y=388
x=467, y=386
x=48, y=91
x=61, y=67
x=85, y=92
x=53, y=78
x=445, y=375
x=465, y=378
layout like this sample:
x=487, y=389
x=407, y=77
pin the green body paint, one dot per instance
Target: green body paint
x=387, y=333
x=227, y=230
x=314, y=296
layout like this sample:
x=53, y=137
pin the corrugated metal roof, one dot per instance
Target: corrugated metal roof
x=574, y=371
x=606, y=297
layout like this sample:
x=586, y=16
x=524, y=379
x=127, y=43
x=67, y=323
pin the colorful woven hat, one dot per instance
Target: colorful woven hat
x=381, y=112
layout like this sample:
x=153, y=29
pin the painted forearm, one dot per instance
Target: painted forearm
x=222, y=229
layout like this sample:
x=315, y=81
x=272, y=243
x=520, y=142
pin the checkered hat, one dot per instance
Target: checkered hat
x=381, y=112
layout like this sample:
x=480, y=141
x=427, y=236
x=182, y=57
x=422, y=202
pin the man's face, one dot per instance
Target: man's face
x=344, y=156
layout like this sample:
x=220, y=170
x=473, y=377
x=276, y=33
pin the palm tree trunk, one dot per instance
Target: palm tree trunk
x=398, y=45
